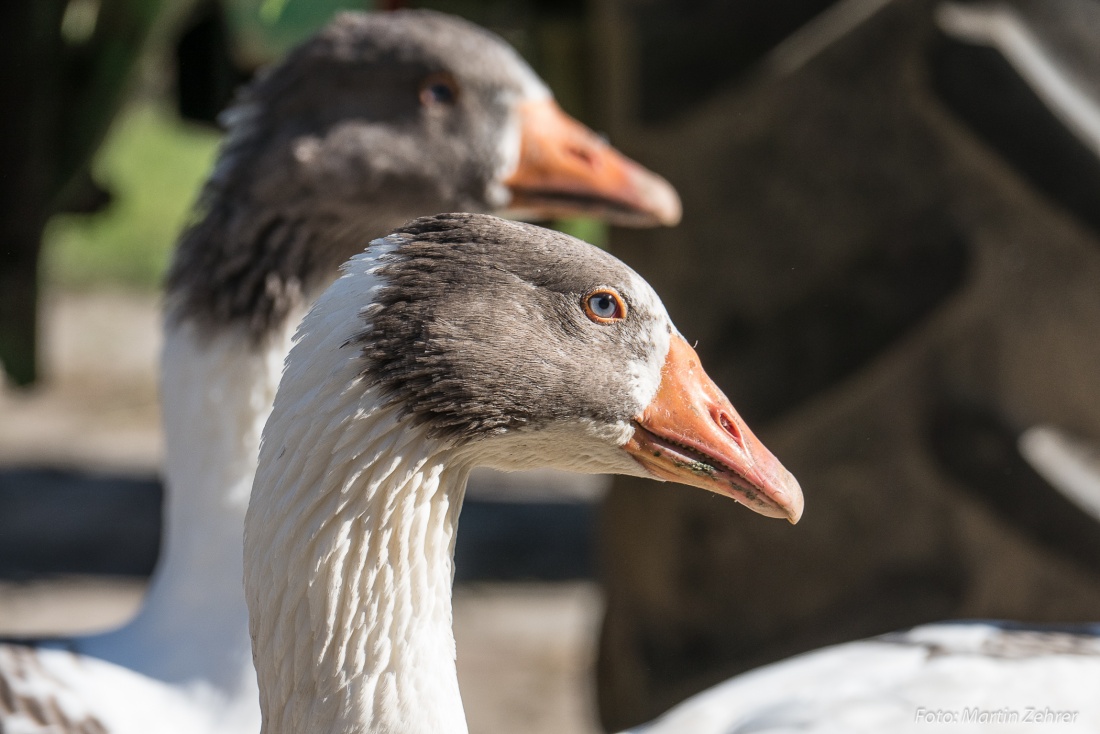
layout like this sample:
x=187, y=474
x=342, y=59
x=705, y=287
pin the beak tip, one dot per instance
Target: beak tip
x=661, y=198
x=564, y=169
x=672, y=215
x=667, y=205
x=794, y=504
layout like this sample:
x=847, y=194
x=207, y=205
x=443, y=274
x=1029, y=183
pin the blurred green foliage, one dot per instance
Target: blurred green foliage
x=588, y=229
x=264, y=30
x=153, y=165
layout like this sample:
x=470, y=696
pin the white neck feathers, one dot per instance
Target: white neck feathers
x=348, y=575
x=349, y=540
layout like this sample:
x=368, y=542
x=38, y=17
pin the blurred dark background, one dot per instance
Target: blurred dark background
x=890, y=258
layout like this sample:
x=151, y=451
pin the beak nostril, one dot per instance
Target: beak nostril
x=730, y=427
x=582, y=155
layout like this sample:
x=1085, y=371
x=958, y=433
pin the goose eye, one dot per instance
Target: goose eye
x=438, y=89
x=604, y=306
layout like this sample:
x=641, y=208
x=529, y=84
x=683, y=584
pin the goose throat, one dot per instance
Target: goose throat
x=353, y=576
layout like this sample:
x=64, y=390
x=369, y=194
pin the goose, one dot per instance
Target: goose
x=463, y=340
x=457, y=341
x=377, y=119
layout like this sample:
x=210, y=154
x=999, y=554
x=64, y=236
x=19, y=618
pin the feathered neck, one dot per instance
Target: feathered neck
x=271, y=228
x=257, y=255
x=348, y=576
x=349, y=541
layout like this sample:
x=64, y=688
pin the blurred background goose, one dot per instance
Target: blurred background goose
x=457, y=341
x=375, y=120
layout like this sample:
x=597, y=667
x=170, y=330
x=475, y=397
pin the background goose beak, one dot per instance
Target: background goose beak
x=691, y=434
x=565, y=169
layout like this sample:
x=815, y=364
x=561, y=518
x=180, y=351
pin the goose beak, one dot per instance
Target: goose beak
x=691, y=434
x=565, y=169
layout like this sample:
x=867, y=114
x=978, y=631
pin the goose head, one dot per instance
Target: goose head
x=530, y=348
x=458, y=340
x=377, y=119
x=425, y=109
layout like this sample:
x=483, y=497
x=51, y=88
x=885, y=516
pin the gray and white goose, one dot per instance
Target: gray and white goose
x=377, y=119
x=464, y=340
x=455, y=342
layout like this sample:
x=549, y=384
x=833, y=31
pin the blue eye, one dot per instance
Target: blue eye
x=438, y=89
x=604, y=306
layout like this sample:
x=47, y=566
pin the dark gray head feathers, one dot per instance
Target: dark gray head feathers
x=337, y=145
x=480, y=327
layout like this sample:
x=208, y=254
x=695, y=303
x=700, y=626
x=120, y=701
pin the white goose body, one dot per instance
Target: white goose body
x=964, y=676
x=377, y=119
x=55, y=691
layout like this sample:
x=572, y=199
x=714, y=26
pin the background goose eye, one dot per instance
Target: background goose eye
x=604, y=306
x=438, y=89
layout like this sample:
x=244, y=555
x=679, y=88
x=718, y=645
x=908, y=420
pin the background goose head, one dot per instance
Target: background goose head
x=377, y=119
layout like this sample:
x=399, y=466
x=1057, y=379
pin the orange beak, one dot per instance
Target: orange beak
x=565, y=169
x=691, y=434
